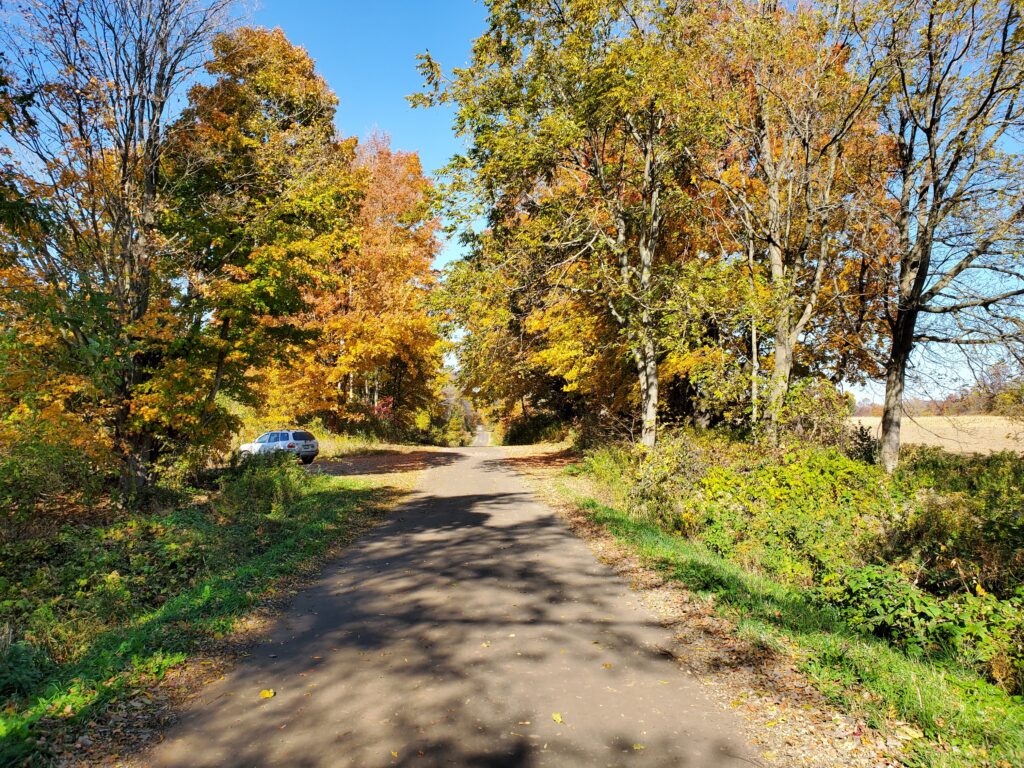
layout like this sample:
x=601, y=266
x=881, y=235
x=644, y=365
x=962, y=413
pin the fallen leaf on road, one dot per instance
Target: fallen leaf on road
x=268, y=693
x=394, y=754
x=607, y=665
x=557, y=717
x=637, y=747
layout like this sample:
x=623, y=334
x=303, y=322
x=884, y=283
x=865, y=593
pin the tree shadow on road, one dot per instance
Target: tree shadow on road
x=449, y=636
x=385, y=463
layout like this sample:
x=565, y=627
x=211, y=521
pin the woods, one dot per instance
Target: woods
x=182, y=234
x=741, y=204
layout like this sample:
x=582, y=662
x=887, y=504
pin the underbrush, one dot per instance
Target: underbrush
x=959, y=719
x=921, y=573
x=47, y=475
x=93, y=611
x=529, y=429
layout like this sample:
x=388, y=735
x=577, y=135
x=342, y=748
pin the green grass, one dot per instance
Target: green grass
x=102, y=611
x=965, y=720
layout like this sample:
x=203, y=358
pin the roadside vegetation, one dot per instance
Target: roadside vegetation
x=899, y=597
x=190, y=255
x=102, y=604
x=692, y=227
x=688, y=228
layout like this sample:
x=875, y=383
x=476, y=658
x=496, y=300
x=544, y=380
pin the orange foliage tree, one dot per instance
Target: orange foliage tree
x=374, y=348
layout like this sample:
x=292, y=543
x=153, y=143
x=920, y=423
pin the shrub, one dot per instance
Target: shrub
x=859, y=442
x=262, y=485
x=45, y=476
x=814, y=411
x=801, y=517
x=967, y=525
x=879, y=600
x=662, y=483
x=977, y=630
x=22, y=666
x=538, y=427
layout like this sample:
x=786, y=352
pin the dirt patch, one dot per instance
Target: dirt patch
x=790, y=721
x=385, y=462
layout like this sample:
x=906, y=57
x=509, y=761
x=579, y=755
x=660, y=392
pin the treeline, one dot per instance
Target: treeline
x=721, y=212
x=183, y=232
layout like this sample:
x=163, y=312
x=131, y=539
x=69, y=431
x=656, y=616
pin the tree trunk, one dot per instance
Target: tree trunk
x=895, y=379
x=781, y=370
x=647, y=370
x=136, y=464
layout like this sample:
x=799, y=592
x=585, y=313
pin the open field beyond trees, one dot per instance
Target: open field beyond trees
x=959, y=434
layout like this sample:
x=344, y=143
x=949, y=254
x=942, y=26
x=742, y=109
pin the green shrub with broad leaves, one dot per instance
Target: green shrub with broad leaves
x=977, y=630
x=931, y=560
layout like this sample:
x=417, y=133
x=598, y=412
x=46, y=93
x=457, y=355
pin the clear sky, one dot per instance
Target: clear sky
x=366, y=50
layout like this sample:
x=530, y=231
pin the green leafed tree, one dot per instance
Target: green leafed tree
x=575, y=115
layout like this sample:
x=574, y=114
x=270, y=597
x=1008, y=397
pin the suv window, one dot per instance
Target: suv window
x=302, y=436
x=264, y=438
x=280, y=437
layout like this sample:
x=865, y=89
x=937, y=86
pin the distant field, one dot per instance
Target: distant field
x=961, y=434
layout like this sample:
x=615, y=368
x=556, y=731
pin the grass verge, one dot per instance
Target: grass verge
x=955, y=717
x=100, y=612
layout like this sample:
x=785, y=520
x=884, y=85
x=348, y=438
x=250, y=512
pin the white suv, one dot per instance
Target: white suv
x=301, y=443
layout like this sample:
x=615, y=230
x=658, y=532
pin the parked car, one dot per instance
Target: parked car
x=296, y=441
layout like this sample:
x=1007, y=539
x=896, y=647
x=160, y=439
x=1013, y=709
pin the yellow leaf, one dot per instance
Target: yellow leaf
x=637, y=747
x=909, y=732
x=268, y=693
x=557, y=717
x=394, y=754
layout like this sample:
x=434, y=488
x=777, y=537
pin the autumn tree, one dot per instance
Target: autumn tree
x=793, y=151
x=373, y=344
x=954, y=109
x=88, y=146
x=266, y=200
x=575, y=113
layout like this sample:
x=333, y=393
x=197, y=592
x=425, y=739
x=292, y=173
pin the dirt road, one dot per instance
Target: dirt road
x=472, y=629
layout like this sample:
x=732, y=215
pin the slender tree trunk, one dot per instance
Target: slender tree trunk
x=647, y=370
x=755, y=361
x=895, y=379
x=755, y=371
x=782, y=368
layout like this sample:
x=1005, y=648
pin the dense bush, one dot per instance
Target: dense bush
x=22, y=666
x=978, y=630
x=966, y=527
x=537, y=427
x=797, y=515
x=815, y=411
x=799, y=518
x=46, y=473
x=930, y=560
x=262, y=485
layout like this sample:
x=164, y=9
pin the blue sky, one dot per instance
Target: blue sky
x=366, y=51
